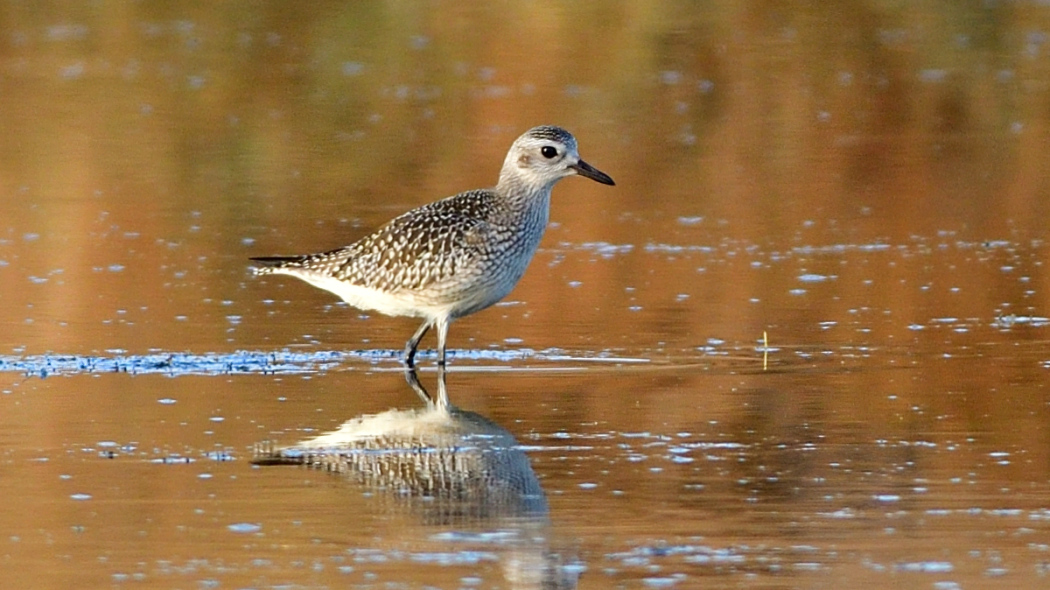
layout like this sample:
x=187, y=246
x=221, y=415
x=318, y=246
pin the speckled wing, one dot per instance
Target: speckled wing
x=421, y=247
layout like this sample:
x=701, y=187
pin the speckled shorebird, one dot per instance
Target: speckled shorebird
x=455, y=256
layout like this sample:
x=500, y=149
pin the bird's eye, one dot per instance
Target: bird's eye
x=548, y=151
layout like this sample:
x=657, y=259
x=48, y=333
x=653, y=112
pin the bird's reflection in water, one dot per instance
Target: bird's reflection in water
x=451, y=468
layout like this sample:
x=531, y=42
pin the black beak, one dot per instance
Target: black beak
x=584, y=169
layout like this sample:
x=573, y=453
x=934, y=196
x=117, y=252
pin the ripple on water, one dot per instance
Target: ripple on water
x=259, y=362
x=244, y=527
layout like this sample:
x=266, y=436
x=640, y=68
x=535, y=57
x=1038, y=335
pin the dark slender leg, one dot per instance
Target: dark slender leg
x=413, y=343
x=442, y=326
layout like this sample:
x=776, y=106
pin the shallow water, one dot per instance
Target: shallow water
x=802, y=343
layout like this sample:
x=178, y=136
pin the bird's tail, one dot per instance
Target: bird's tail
x=269, y=264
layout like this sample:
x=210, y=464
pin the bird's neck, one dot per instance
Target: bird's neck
x=519, y=193
x=524, y=204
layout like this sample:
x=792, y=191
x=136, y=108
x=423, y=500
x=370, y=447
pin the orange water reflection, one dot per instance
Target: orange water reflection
x=866, y=183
